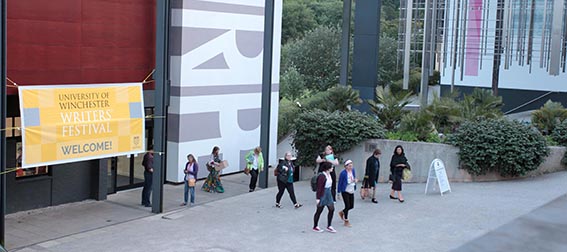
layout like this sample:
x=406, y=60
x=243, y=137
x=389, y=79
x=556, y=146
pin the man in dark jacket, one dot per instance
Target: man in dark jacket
x=372, y=172
x=148, y=164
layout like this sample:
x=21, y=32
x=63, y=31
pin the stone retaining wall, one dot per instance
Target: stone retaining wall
x=420, y=155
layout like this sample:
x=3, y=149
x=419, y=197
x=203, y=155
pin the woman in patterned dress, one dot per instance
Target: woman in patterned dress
x=213, y=182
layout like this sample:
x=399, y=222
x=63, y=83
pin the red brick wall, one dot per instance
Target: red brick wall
x=80, y=41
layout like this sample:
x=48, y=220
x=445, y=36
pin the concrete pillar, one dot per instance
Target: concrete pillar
x=366, y=41
x=216, y=55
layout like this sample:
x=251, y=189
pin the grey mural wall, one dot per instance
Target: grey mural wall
x=216, y=51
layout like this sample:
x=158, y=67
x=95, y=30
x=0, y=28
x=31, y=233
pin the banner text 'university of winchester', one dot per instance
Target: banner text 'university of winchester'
x=69, y=123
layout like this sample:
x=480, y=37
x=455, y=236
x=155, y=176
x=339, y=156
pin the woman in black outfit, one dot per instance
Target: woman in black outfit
x=285, y=180
x=397, y=165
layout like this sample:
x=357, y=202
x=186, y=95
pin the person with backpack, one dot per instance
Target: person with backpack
x=346, y=187
x=324, y=197
x=284, y=177
x=329, y=156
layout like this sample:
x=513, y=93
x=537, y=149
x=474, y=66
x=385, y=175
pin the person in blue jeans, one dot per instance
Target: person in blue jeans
x=191, y=170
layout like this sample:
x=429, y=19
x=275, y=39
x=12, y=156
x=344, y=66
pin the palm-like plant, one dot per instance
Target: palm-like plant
x=548, y=117
x=389, y=107
x=342, y=97
x=445, y=113
x=479, y=104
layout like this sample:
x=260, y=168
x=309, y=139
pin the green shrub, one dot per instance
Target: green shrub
x=342, y=130
x=559, y=134
x=404, y=136
x=547, y=117
x=335, y=98
x=507, y=147
x=419, y=123
x=286, y=115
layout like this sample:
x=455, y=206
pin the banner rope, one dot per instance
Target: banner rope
x=148, y=76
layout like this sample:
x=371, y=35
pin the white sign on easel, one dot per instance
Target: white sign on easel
x=438, y=173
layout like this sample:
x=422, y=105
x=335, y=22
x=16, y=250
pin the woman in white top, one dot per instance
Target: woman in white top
x=324, y=198
x=329, y=156
x=347, y=186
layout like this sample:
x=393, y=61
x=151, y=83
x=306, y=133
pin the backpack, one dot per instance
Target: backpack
x=314, y=181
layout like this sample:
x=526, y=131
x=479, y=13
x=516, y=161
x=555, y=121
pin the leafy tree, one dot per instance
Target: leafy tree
x=327, y=12
x=548, y=117
x=389, y=107
x=316, y=57
x=388, y=60
x=297, y=19
x=292, y=85
x=287, y=112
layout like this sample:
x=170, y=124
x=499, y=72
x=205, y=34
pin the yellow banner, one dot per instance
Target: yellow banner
x=69, y=123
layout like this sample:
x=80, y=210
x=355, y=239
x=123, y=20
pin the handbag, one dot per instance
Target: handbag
x=406, y=174
x=191, y=182
x=246, y=171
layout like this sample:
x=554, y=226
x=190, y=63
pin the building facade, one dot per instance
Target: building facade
x=215, y=72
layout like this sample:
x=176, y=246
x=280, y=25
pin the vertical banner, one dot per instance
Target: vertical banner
x=69, y=123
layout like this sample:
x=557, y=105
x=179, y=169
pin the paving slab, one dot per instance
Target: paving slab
x=250, y=222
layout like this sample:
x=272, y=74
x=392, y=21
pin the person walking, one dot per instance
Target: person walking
x=324, y=198
x=191, y=170
x=372, y=172
x=397, y=165
x=148, y=164
x=346, y=187
x=213, y=182
x=284, y=180
x=255, y=163
x=329, y=156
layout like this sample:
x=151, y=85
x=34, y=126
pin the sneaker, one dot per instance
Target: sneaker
x=183, y=204
x=330, y=229
x=317, y=229
x=278, y=205
x=374, y=201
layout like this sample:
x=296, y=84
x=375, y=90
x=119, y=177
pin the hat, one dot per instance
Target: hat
x=348, y=162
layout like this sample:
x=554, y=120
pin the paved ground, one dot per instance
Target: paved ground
x=242, y=221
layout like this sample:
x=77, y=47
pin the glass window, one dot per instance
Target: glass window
x=18, y=124
x=27, y=172
x=9, y=129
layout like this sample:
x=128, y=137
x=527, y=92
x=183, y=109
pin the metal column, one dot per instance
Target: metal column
x=161, y=78
x=426, y=54
x=266, y=88
x=345, y=44
x=3, y=123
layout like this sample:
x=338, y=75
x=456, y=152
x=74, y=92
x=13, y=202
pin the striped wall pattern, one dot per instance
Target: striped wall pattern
x=216, y=51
